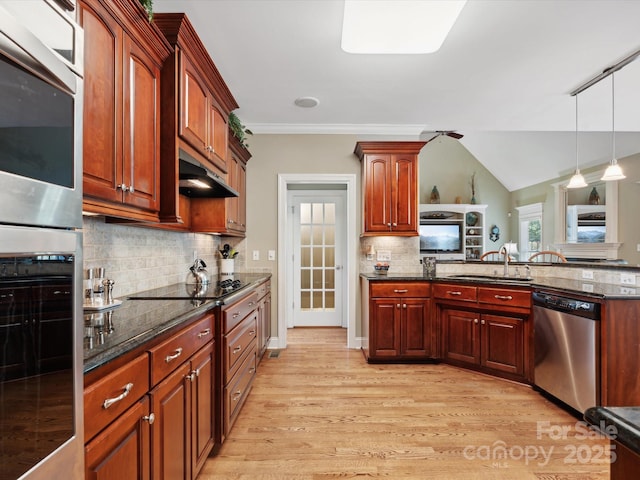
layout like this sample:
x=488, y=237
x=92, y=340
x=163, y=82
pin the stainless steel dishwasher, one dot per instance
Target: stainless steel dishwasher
x=565, y=348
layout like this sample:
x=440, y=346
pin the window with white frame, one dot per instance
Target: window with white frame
x=530, y=229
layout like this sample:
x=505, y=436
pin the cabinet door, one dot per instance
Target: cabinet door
x=194, y=108
x=461, y=335
x=202, y=365
x=377, y=193
x=503, y=343
x=122, y=451
x=404, y=197
x=218, y=129
x=102, y=113
x=171, y=403
x=384, y=327
x=415, y=328
x=141, y=156
x=241, y=187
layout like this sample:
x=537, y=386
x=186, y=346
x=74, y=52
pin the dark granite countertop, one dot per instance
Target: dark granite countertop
x=591, y=289
x=621, y=424
x=110, y=333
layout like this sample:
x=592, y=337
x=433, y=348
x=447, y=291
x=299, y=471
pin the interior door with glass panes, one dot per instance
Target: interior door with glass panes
x=318, y=244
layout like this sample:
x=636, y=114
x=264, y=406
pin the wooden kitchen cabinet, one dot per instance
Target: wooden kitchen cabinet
x=238, y=358
x=123, y=450
x=170, y=385
x=485, y=328
x=264, y=318
x=183, y=434
x=390, y=187
x=123, y=57
x=195, y=106
x=227, y=216
x=398, y=324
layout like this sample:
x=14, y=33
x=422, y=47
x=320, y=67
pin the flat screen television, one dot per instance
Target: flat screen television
x=441, y=238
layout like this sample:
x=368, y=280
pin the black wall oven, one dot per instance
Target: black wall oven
x=41, y=427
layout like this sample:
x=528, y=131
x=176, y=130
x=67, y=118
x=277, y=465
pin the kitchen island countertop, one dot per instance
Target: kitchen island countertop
x=591, y=289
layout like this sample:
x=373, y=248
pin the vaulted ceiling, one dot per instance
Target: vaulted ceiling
x=503, y=78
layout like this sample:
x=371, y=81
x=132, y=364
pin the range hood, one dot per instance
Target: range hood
x=198, y=182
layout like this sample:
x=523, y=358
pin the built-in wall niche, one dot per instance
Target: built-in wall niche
x=586, y=219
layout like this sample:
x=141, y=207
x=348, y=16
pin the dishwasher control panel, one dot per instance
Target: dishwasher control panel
x=567, y=304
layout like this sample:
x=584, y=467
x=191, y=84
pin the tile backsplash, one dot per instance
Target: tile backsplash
x=139, y=259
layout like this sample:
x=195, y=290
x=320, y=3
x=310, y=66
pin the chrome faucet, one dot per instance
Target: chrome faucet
x=505, y=251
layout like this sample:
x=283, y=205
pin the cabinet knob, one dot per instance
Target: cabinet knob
x=482, y=322
x=398, y=306
x=475, y=320
x=149, y=418
x=394, y=224
x=131, y=189
x=122, y=187
x=404, y=305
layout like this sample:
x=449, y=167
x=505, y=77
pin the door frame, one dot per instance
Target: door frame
x=350, y=263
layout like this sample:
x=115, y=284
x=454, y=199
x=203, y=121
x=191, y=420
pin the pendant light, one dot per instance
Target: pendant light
x=577, y=181
x=613, y=171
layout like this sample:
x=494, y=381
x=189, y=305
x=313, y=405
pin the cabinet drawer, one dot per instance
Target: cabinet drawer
x=237, y=390
x=238, y=343
x=404, y=289
x=505, y=296
x=455, y=292
x=168, y=355
x=235, y=313
x=107, y=398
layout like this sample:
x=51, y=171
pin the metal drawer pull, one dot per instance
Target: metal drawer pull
x=252, y=332
x=170, y=358
x=252, y=369
x=149, y=418
x=236, y=315
x=204, y=333
x=110, y=401
x=251, y=304
x=237, y=395
x=503, y=297
x=454, y=293
x=236, y=350
x=400, y=291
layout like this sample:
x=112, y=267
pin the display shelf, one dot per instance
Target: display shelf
x=472, y=220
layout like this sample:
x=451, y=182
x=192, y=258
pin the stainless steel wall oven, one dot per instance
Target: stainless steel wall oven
x=40, y=240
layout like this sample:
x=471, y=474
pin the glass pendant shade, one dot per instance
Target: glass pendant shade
x=613, y=172
x=577, y=181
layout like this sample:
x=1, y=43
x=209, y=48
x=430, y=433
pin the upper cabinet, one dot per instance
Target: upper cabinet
x=123, y=58
x=227, y=216
x=390, y=187
x=195, y=110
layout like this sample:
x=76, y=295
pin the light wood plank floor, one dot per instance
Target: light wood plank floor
x=319, y=411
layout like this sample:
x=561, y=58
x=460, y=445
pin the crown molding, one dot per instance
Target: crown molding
x=340, y=129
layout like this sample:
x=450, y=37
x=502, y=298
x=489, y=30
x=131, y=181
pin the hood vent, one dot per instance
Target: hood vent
x=198, y=182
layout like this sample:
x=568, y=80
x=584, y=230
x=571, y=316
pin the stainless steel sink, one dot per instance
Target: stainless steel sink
x=493, y=278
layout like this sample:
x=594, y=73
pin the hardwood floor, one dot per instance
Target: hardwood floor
x=319, y=411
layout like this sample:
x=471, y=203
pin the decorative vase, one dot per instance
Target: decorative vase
x=435, y=195
x=594, y=197
x=473, y=200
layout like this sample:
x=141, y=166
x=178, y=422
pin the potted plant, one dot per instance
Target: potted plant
x=239, y=130
x=148, y=6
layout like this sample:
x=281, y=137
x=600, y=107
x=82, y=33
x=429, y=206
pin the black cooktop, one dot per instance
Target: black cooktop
x=216, y=290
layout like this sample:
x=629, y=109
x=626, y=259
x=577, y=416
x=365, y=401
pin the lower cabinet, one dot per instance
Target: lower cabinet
x=485, y=328
x=399, y=321
x=154, y=416
x=123, y=449
x=495, y=342
x=264, y=318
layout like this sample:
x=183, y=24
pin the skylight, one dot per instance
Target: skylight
x=397, y=26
